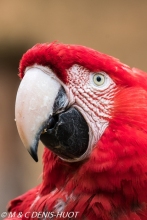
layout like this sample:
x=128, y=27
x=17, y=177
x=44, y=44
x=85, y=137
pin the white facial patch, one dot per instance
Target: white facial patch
x=94, y=100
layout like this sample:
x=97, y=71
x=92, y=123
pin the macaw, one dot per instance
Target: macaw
x=90, y=112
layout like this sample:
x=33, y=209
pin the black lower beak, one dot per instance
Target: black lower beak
x=67, y=134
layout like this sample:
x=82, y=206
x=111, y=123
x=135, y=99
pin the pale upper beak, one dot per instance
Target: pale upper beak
x=34, y=105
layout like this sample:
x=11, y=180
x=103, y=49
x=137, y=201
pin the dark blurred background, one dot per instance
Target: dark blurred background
x=118, y=28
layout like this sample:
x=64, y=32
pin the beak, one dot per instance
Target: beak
x=34, y=105
x=42, y=113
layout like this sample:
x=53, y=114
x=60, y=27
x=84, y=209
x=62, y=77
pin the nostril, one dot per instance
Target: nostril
x=52, y=122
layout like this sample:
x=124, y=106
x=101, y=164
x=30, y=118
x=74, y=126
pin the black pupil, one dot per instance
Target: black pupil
x=98, y=78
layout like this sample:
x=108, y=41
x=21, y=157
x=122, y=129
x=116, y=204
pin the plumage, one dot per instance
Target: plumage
x=110, y=182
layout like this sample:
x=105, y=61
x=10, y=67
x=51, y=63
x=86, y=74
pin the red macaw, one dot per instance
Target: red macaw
x=89, y=110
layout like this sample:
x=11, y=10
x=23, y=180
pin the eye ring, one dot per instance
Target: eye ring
x=99, y=79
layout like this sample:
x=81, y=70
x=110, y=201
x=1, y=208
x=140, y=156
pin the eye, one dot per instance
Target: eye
x=99, y=79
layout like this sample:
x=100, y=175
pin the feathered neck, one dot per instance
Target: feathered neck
x=116, y=171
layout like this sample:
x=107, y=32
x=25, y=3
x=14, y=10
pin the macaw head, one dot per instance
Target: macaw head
x=87, y=108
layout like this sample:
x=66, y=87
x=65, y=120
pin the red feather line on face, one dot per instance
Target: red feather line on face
x=60, y=57
x=111, y=184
